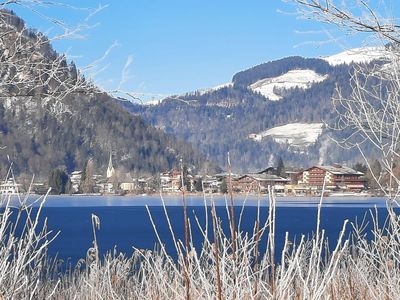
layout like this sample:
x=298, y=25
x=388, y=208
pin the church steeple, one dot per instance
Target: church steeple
x=110, y=168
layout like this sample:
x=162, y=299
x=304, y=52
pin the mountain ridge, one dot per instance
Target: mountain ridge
x=52, y=117
x=221, y=120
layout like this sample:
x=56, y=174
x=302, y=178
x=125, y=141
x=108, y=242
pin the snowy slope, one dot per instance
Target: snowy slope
x=215, y=88
x=155, y=102
x=297, y=135
x=295, y=78
x=356, y=55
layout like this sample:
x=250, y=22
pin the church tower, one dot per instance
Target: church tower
x=110, y=168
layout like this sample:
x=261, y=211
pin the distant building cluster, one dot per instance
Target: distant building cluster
x=332, y=179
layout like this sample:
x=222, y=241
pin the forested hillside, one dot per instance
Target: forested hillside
x=225, y=119
x=51, y=116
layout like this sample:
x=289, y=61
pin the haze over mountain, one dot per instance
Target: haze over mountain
x=276, y=109
x=50, y=116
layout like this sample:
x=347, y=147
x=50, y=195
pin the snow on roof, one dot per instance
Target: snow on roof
x=298, y=135
x=339, y=170
x=292, y=79
x=264, y=177
x=357, y=55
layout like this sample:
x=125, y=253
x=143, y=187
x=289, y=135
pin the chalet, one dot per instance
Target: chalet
x=259, y=183
x=336, y=177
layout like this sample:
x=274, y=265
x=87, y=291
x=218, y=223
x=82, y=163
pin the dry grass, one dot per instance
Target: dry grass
x=360, y=268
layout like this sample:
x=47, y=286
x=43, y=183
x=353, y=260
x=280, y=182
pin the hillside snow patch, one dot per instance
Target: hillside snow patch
x=357, y=55
x=268, y=87
x=296, y=135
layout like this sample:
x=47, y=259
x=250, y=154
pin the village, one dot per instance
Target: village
x=339, y=180
x=334, y=179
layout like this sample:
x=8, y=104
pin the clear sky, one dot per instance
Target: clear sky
x=176, y=46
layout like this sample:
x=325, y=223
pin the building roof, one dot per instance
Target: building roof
x=225, y=174
x=339, y=170
x=267, y=170
x=293, y=172
x=264, y=177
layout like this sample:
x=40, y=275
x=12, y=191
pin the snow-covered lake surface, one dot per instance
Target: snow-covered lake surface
x=298, y=135
x=303, y=79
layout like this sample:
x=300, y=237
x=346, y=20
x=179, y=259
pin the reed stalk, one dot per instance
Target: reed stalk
x=216, y=251
x=232, y=207
x=186, y=228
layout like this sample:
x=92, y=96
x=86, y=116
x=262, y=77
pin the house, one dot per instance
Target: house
x=75, y=180
x=211, y=184
x=259, y=183
x=336, y=177
x=297, y=190
x=39, y=188
x=9, y=187
x=214, y=183
x=294, y=176
x=171, y=181
x=126, y=182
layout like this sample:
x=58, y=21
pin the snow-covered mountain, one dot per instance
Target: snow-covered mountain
x=275, y=108
x=52, y=117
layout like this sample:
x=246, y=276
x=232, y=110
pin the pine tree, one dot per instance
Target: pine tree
x=224, y=187
x=83, y=177
x=199, y=185
x=87, y=182
x=280, y=169
x=57, y=181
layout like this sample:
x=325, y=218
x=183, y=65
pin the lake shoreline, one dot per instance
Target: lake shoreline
x=344, y=195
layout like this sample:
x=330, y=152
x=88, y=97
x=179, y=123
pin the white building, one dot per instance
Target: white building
x=75, y=180
x=9, y=187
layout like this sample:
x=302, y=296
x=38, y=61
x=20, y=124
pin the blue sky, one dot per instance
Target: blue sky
x=168, y=47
